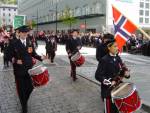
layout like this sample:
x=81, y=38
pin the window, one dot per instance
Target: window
x=9, y=9
x=54, y=16
x=147, y=5
x=141, y=4
x=77, y=11
x=141, y=20
x=146, y=20
x=3, y=14
x=141, y=12
x=86, y=10
x=71, y=13
x=9, y=20
x=9, y=14
x=146, y=13
x=3, y=9
x=98, y=7
x=14, y=9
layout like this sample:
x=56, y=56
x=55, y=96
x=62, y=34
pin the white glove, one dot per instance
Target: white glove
x=107, y=82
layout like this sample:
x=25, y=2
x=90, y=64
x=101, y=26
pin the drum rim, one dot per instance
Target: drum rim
x=72, y=59
x=134, y=89
x=37, y=66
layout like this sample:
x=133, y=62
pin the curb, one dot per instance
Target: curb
x=146, y=107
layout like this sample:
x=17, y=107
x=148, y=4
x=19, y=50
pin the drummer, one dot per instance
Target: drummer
x=22, y=62
x=110, y=72
x=73, y=45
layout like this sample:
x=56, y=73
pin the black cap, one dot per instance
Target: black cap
x=110, y=42
x=23, y=28
x=108, y=36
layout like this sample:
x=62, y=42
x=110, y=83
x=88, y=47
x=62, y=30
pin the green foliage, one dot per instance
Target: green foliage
x=33, y=24
x=67, y=17
x=8, y=1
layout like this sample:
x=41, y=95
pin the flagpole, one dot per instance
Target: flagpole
x=143, y=32
x=140, y=29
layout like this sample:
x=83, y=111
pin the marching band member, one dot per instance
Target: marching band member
x=21, y=54
x=51, y=47
x=110, y=72
x=6, y=52
x=73, y=45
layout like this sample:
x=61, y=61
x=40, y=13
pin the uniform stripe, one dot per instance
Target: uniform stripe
x=107, y=105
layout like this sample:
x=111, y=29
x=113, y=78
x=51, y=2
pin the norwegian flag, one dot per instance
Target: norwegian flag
x=124, y=28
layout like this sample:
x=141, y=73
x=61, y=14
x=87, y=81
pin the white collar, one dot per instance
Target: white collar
x=112, y=54
x=23, y=41
x=74, y=37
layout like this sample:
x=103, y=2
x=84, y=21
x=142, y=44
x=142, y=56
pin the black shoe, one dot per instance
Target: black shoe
x=74, y=78
x=24, y=110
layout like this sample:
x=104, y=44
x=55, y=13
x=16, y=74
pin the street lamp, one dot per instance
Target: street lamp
x=85, y=23
x=36, y=20
x=85, y=15
x=56, y=12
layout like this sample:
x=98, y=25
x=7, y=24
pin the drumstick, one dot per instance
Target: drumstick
x=114, y=93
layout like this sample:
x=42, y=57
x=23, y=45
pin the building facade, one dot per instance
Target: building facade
x=91, y=15
x=7, y=13
x=138, y=11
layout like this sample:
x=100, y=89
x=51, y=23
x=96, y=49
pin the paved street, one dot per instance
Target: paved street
x=62, y=95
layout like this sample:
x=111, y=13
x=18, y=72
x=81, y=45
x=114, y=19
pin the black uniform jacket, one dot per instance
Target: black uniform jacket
x=109, y=67
x=72, y=44
x=50, y=46
x=20, y=52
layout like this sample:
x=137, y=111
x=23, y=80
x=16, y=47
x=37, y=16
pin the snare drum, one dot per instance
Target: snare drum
x=39, y=75
x=78, y=59
x=126, y=98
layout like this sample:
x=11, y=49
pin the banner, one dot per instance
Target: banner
x=19, y=20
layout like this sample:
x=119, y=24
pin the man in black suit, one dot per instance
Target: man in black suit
x=21, y=54
x=73, y=45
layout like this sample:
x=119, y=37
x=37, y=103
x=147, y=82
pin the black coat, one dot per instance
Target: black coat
x=101, y=51
x=72, y=44
x=6, y=51
x=109, y=67
x=50, y=46
x=21, y=52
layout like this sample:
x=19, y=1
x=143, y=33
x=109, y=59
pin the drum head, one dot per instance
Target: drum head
x=123, y=90
x=37, y=70
x=76, y=56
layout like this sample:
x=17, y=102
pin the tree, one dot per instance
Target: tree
x=32, y=24
x=8, y=1
x=67, y=17
x=12, y=1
